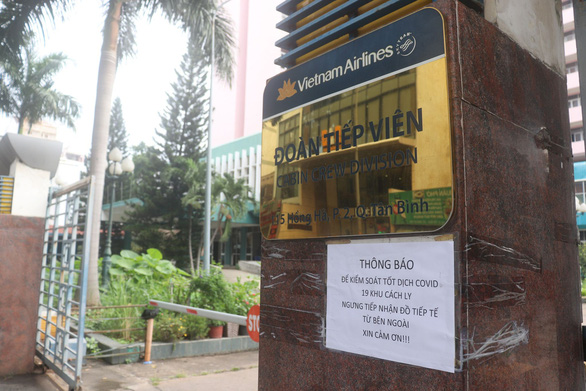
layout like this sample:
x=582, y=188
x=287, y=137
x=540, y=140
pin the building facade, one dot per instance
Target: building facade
x=240, y=158
x=575, y=112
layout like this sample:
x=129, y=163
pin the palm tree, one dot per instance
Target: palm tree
x=194, y=200
x=19, y=17
x=229, y=196
x=28, y=93
x=234, y=195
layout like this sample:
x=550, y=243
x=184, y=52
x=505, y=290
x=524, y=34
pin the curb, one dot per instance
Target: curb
x=117, y=353
x=251, y=267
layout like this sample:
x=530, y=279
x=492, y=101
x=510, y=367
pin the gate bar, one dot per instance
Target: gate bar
x=215, y=315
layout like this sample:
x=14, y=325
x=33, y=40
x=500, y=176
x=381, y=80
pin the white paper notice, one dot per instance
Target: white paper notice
x=393, y=301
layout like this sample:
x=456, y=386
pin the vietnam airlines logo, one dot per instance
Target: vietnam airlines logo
x=287, y=91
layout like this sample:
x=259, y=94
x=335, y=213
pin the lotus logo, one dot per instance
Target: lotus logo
x=287, y=91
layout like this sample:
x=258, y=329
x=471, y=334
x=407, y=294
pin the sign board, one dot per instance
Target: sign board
x=345, y=131
x=437, y=203
x=253, y=323
x=393, y=301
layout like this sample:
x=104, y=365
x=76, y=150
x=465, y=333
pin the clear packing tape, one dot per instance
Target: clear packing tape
x=301, y=281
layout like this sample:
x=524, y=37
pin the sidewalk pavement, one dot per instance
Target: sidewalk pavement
x=236, y=371
x=232, y=275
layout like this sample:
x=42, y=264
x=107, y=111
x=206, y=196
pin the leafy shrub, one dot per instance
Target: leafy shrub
x=246, y=294
x=169, y=327
x=156, y=277
x=120, y=293
x=92, y=345
x=149, y=265
x=197, y=327
x=136, y=279
x=212, y=292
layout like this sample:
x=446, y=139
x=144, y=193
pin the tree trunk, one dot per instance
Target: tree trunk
x=190, y=212
x=98, y=163
x=201, y=243
x=21, y=123
x=218, y=229
x=199, y=254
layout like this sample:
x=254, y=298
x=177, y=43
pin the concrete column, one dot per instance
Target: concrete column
x=535, y=25
x=517, y=289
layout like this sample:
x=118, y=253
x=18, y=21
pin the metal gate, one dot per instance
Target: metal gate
x=61, y=318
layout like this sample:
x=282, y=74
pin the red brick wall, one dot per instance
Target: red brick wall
x=21, y=248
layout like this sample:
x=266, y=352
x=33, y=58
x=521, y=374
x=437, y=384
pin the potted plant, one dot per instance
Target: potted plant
x=212, y=292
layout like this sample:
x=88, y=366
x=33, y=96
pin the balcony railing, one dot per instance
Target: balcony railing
x=568, y=18
x=570, y=51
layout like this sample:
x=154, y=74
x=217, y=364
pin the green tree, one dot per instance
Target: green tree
x=229, y=196
x=232, y=198
x=117, y=135
x=117, y=138
x=184, y=121
x=182, y=137
x=27, y=91
x=19, y=17
x=194, y=200
x=161, y=221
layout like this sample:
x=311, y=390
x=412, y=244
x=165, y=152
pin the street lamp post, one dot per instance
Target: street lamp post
x=116, y=167
x=208, y=194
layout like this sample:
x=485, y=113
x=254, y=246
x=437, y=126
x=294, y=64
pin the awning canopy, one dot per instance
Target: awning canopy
x=38, y=153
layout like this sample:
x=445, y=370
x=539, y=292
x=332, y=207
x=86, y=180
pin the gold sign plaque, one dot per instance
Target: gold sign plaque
x=358, y=141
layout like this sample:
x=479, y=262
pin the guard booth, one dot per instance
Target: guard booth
x=417, y=208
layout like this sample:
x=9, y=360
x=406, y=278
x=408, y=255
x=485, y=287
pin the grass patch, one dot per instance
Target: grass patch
x=234, y=369
x=155, y=381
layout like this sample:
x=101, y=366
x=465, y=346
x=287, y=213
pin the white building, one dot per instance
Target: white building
x=573, y=82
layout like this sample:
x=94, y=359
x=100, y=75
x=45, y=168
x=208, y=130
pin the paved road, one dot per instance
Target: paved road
x=237, y=371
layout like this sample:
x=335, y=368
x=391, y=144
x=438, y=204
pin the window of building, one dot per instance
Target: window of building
x=580, y=189
x=573, y=101
x=566, y=5
x=577, y=135
x=569, y=36
x=572, y=68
